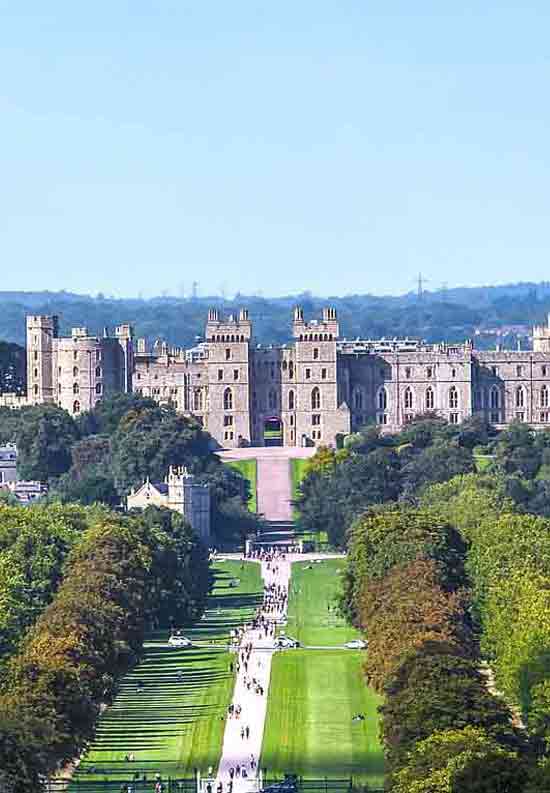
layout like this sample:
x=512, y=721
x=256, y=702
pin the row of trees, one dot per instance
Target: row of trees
x=123, y=575
x=103, y=454
x=406, y=588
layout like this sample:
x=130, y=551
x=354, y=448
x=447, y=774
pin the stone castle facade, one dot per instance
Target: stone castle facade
x=312, y=391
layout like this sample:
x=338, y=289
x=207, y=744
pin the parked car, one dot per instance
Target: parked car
x=286, y=643
x=179, y=641
x=357, y=644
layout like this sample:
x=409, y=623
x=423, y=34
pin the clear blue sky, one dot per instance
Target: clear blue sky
x=276, y=146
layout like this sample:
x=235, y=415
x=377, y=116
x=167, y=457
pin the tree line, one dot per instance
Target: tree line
x=121, y=576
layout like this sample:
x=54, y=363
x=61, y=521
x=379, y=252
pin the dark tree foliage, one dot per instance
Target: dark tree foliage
x=436, y=463
x=107, y=414
x=44, y=437
x=13, y=361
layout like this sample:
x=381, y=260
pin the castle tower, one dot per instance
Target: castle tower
x=191, y=499
x=228, y=365
x=42, y=331
x=125, y=336
x=541, y=337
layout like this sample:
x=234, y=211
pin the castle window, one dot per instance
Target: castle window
x=543, y=371
x=291, y=370
x=453, y=418
x=35, y=389
x=197, y=399
x=429, y=372
x=98, y=355
x=494, y=399
x=220, y=374
x=36, y=355
x=308, y=374
x=408, y=372
x=228, y=421
x=76, y=407
x=227, y=354
x=75, y=388
x=272, y=399
x=292, y=421
x=315, y=399
x=323, y=374
x=316, y=419
x=291, y=400
x=235, y=374
x=138, y=376
x=75, y=354
x=59, y=388
x=430, y=398
x=98, y=371
x=283, y=366
x=519, y=371
x=544, y=397
x=273, y=371
x=358, y=399
x=98, y=388
x=453, y=398
x=315, y=353
x=35, y=340
x=382, y=399
x=494, y=371
x=544, y=416
x=453, y=372
x=520, y=397
x=75, y=371
x=520, y=416
x=36, y=372
x=408, y=399
x=228, y=399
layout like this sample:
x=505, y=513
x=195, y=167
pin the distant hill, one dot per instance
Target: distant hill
x=446, y=315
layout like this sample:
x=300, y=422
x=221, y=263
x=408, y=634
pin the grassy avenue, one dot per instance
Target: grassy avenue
x=172, y=726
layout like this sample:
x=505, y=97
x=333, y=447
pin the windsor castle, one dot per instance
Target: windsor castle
x=312, y=391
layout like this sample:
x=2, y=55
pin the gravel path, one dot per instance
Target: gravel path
x=236, y=750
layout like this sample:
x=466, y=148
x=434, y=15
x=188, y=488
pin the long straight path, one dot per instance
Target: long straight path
x=274, y=489
x=244, y=752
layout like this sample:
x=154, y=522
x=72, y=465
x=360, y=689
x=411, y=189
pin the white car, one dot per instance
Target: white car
x=357, y=644
x=286, y=643
x=179, y=641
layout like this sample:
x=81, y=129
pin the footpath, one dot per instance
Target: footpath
x=245, y=721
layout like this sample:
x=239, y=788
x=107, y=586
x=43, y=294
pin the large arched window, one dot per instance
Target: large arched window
x=197, y=399
x=520, y=397
x=76, y=389
x=430, y=401
x=358, y=399
x=315, y=399
x=75, y=371
x=408, y=399
x=544, y=397
x=495, y=398
x=228, y=399
x=272, y=399
x=382, y=399
x=291, y=400
x=453, y=398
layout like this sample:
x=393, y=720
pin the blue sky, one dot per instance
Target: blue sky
x=275, y=147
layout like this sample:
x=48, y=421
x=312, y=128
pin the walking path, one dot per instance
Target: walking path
x=249, y=705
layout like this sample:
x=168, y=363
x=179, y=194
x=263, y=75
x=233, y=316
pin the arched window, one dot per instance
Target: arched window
x=98, y=388
x=197, y=399
x=316, y=399
x=272, y=399
x=75, y=371
x=35, y=389
x=520, y=397
x=76, y=407
x=76, y=389
x=291, y=400
x=228, y=399
x=430, y=402
x=98, y=371
x=358, y=399
x=408, y=399
x=382, y=399
x=291, y=369
x=453, y=398
x=495, y=398
x=544, y=397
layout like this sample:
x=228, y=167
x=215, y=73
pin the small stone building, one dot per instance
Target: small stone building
x=180, y=492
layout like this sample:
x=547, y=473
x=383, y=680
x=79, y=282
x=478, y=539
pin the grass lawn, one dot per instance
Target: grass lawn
x=312, y=615
x=314, y=694
x=297, y=472
x=249, y=469
x=172, y=727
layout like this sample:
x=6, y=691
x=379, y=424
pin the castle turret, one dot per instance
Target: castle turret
x=41, y=334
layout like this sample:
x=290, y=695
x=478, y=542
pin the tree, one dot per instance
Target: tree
x=107, y=414
x=516, y=451
x=44, y=438
x=437, y=463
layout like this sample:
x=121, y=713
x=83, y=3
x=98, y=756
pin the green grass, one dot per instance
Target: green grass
x=314, y=694
x=482, y=463
x=297, y=473
x=312, y=614
x=309, y=729
x=172, y=727
x=248, y=469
